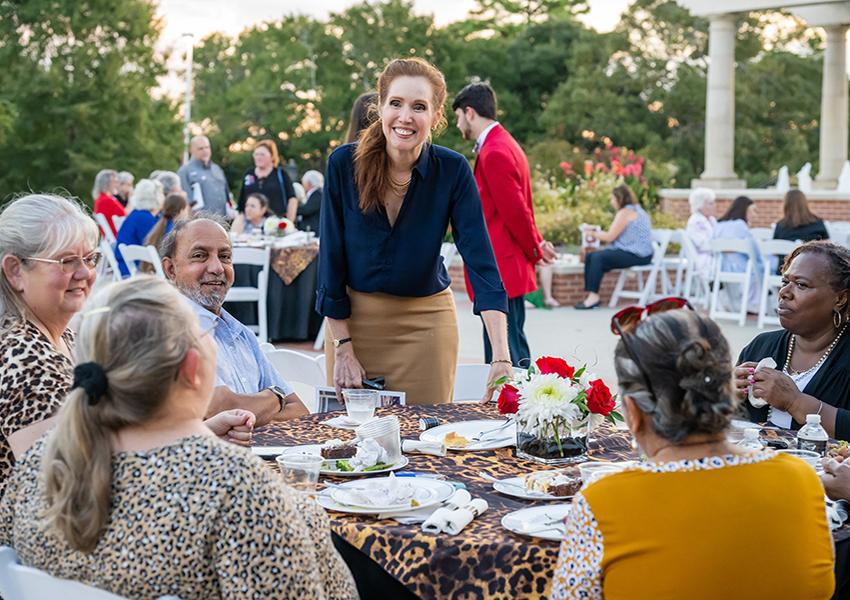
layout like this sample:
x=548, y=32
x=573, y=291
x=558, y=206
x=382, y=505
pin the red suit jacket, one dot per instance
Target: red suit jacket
x=504, y=182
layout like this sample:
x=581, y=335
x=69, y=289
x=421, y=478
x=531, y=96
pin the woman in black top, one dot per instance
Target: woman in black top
x=798, y=222
x=268, y=178
x=812, y=351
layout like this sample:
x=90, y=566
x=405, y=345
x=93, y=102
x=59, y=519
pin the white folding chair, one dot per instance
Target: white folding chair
x=694, y=276
x=105, y=228
x=19, y=582
x=839, y=232
x=762, y=233
x=771, y=282
x=471, y=382
x=133, y=253
x=677, y=264
x=302, y=372
x=118, y=222
x=645, y=289
x=256, y=257
x=109, y=266
x=319, y=342
x=742, y=278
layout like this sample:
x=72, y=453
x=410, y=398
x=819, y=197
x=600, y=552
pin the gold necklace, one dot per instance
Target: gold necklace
x=400, y=187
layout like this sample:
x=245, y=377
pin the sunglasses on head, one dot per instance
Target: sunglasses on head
x=626, y=320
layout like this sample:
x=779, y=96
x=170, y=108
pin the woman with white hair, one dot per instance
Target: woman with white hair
x=125, y=187
x=147, y=202
x=103, y=194
x=701, y=224
x=308, y=211
x=48, y=254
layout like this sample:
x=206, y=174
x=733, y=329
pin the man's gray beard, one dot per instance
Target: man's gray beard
x=211, y=302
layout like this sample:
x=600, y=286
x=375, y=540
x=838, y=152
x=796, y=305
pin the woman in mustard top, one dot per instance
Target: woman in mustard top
x=702, y=518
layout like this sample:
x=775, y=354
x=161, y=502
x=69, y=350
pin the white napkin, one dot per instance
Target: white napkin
x=836, y=512
x=765, y=363
x=458, y=499
x=460, y=518
x=341, y=422
x=437, y=521
x=418, y=446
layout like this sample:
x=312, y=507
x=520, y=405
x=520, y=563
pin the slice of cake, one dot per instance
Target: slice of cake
x=334, y=449
x=557, y=483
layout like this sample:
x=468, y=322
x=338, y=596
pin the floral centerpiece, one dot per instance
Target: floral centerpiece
x=555, y=407
x=278, y=226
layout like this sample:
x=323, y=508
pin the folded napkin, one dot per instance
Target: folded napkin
x=418, y=446
x=420, y=515
x=836, y=512
x=341, y=422
x=437, y=521
x=460, y=518
x=765, y=363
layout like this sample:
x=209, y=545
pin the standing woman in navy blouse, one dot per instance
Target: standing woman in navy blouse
x=383, y=286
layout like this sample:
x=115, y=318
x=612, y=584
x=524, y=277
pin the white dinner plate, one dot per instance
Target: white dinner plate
x=329, y=468
x=501, y=438
x=534, y=521
x=507, y=486
x=426, y=491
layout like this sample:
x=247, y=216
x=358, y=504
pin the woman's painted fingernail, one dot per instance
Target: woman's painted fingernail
x=751, y=370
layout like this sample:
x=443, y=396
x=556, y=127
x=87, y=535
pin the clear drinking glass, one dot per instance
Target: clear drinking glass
x=360, y=404
x=300, y=471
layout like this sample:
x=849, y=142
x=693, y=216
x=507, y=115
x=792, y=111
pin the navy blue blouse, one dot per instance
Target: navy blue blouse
x=363, y=252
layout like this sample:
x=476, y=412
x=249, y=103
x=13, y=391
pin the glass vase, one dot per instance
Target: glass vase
x=570, y=447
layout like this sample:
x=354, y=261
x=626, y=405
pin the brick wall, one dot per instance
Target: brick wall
x=567, y=284
x=829, y=206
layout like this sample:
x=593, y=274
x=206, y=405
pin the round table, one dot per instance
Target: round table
x=485, y=560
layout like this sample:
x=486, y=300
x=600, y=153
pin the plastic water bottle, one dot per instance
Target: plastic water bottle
x=812, y=436
x=751, y=439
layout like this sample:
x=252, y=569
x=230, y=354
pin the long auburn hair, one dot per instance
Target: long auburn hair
x=795, y=211
x=371, y=161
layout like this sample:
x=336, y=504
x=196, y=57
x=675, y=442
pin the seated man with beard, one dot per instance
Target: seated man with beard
x=197, y=258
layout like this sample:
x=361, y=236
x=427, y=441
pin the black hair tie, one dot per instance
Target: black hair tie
x=92, y=378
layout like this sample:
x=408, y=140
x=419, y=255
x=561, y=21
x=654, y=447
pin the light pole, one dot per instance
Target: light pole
x=187, y=101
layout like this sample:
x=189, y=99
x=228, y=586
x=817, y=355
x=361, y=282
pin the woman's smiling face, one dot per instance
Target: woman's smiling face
x=408, y=114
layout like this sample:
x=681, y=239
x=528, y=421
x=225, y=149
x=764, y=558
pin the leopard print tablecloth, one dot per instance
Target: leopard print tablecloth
x=289, y=263
x=484, y=560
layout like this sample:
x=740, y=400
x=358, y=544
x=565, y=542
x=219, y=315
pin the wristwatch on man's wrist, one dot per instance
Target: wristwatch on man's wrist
x=280, y=393
x=338, y=343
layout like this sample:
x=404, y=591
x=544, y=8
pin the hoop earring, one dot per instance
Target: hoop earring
x=837, y=319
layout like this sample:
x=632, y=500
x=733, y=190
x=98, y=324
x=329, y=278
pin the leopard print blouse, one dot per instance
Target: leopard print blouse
x=34, y=379
x=199, y=519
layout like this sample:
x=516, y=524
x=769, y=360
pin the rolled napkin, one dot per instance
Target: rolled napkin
x=437, y=521
x=765, y=363
x=418, y=446
x=460, y=518
x=458, y=499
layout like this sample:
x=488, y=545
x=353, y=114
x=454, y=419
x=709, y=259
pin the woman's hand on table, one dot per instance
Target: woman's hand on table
x=235, y=425
x=497, y=371
x=836, y=479
x=775, y=388
x=348, y=372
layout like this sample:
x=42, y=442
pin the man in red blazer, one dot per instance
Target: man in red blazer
x=504, y=182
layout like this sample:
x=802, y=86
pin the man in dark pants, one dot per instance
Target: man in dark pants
x=504, y=182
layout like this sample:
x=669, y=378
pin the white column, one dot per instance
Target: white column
x=833, y=107
x=720, y=106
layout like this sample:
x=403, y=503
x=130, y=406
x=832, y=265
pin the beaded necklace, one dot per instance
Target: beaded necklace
x=798, y=375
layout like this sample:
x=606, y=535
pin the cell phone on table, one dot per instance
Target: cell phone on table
x=375, y=383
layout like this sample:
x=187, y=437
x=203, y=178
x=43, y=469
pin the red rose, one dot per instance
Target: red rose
x=599, y=399
x=551, y=364
x=508, y=400
x=282, y=225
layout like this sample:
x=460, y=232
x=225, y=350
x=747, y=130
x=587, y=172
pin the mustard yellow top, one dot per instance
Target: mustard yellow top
x=751, y=526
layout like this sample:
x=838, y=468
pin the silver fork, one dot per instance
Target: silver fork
x=481, y=435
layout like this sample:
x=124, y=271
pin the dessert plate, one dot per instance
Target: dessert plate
x=544, y=522
x=514, y=486
x=329, y=466
x=489, y=432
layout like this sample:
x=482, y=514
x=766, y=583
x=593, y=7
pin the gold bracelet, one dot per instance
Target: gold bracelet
x=506, y=361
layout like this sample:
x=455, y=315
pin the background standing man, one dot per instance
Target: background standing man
x=202, y=178
x=504, y=182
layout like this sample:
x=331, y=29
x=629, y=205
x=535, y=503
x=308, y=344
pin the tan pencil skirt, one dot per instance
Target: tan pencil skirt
x=412, y=342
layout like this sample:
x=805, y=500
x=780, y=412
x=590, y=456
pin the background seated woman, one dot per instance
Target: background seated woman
x=254, y=217
x=735, y=225
x=798, y=221
x=147, y=204
x=812, y=350
x=131, y=470
x=630, y=239
x=681, y=524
